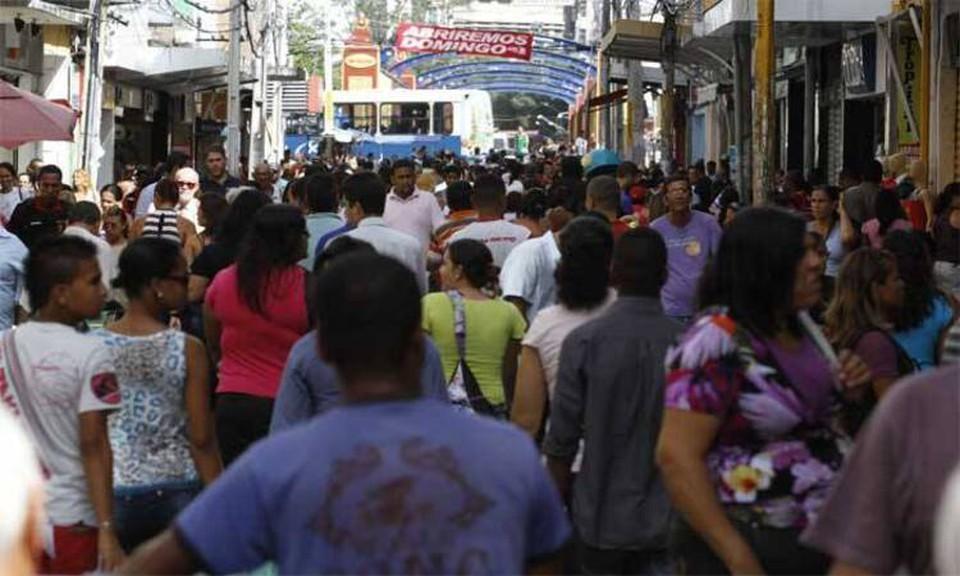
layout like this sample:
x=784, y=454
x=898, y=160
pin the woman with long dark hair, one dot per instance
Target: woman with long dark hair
x=835, y=228
x=583, y=292
x=922, y=322
x=493, y=327
x=164, y=446
x=253, y=313
x=226, y=243
x=749, y=445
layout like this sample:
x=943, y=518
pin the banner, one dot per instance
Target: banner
x=437, y=39
x=908, y=60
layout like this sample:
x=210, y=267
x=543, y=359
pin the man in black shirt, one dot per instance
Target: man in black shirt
x=43, y=215
x=217, y=180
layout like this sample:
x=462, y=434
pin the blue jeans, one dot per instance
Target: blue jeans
x=142, y=512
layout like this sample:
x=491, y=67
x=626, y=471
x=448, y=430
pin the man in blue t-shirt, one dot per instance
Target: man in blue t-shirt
x=389, y=481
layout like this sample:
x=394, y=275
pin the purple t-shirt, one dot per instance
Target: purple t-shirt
x=881, y=512
x=688, y=249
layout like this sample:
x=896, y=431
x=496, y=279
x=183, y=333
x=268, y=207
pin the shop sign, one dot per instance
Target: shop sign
x=908, y=61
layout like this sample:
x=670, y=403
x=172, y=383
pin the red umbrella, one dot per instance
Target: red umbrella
x=26, y=117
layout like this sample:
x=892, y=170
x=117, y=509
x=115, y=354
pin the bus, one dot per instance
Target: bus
x=389, y=123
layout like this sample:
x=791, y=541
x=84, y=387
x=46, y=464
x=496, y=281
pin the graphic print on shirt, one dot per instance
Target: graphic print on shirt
x=105, y=387
x=413, y=521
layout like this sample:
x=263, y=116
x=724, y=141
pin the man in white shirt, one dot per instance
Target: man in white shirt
x=500, y=236
x=188, y=184
x=366, y=196
x=527, y=277
x=85, y=222
x=409, y=210
x=60, y=384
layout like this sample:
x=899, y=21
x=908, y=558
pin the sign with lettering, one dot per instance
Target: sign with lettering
x=438, y=39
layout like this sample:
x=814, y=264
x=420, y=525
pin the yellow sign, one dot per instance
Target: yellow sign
x=360, y=60
x=908, y=62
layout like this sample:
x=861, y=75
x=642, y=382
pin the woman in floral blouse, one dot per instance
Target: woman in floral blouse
x=750, y=441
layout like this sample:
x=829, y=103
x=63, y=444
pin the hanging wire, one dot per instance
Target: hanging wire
x=207, y=10
x=193, y=24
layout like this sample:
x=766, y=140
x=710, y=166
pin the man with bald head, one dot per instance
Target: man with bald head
x=188, y=183
x=263, y=180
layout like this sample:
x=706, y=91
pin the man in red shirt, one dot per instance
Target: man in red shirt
x=603, y=196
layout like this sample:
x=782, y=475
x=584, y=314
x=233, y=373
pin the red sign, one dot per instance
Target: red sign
x=428, y=38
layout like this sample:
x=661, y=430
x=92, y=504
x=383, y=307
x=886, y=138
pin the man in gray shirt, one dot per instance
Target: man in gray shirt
x=859, y=201
x=610, y=391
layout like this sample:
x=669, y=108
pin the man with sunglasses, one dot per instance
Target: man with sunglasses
x=188, y=184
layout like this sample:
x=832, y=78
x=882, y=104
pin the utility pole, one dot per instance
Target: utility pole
x=669, y=42
x=328, y=83
x=258, y=143
x=233, y=91
x=91, y=114
x=763, y=119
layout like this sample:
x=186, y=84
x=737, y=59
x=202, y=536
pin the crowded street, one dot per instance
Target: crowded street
x=540, y=287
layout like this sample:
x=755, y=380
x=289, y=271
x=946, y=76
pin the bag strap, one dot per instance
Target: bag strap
x=459, y=323
x=18, y=381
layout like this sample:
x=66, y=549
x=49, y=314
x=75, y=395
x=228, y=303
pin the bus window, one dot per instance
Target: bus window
x=443, y=118
x=405, y=118
x=362, y=117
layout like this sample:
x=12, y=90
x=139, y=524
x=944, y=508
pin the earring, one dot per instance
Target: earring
x=160, y=296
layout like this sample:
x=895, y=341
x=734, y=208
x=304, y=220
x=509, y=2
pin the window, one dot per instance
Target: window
x=443, y=118
x=362, y=117
x=405, y=118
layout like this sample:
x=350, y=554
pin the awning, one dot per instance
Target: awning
x=796, y=23
x=41, y=12
x=640, y=40
x=171, y=69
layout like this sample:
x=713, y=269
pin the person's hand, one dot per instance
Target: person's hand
x=108, y=548
x=853, y=373
x=742, y=560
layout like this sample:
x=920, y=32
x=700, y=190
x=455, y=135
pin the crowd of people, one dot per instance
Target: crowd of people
x=551, y=364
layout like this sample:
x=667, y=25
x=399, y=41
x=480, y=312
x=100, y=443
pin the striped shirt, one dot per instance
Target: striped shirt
x=162, y=224
x=951, y=346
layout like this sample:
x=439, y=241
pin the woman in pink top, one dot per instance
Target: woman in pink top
x=890, y=217
x=254, y=311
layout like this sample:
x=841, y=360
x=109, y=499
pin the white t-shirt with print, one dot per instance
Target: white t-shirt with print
x=500, y=236
x=528, y=273
x=66, y=373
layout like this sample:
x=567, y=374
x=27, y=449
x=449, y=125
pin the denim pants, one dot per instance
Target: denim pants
x=142, y=512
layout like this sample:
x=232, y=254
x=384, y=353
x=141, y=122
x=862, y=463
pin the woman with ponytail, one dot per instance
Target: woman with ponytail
x=164, y=446
x=493, y=327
